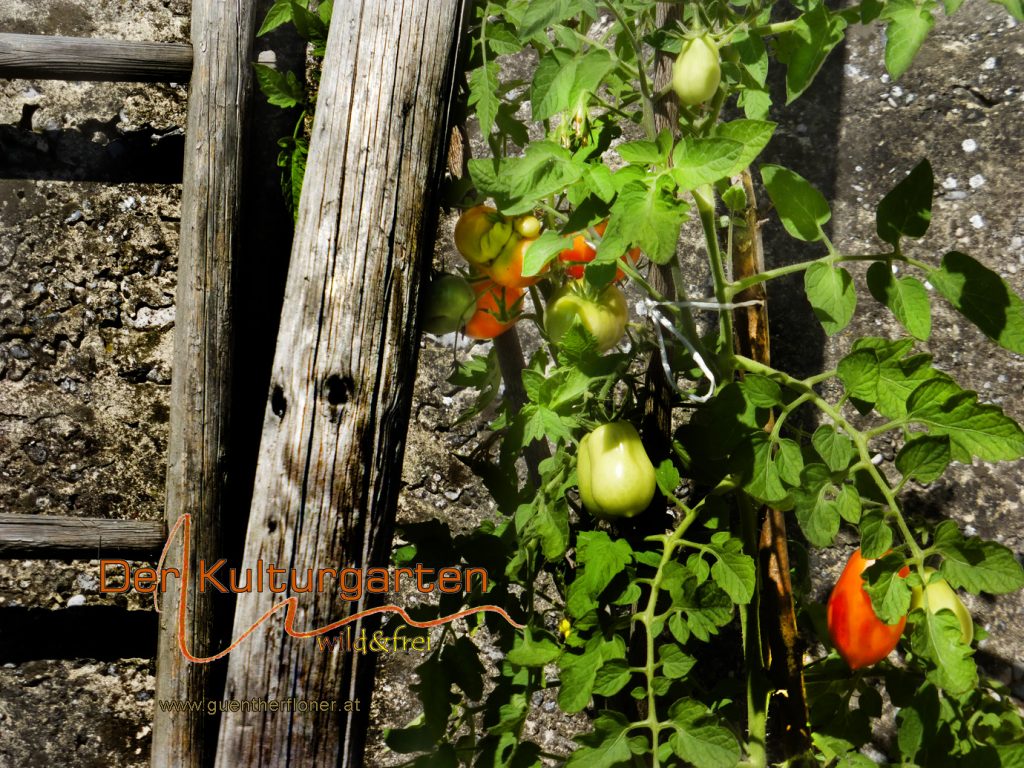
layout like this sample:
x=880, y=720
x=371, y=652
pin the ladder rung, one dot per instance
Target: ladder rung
x=49, y=537
x=51, y=57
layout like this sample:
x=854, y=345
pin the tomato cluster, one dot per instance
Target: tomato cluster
x=863, y=639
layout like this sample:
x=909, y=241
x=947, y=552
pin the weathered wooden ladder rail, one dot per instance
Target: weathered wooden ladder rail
x=329, y=463
x=50, y=57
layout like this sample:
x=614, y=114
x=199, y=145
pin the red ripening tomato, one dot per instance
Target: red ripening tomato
x=583, y=253
x=861, y=638
x=497, y=309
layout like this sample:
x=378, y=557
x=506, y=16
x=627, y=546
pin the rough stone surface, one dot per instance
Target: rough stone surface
x=86, y=318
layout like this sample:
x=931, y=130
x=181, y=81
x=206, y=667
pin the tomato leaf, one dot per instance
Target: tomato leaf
x=702, y=745
x=831, y=293
x=483, y=95
x=609, y=744
x=924, y=458
x=905, y=297
x=804, y=48
x=983, y=297
x=937, y=637
x=860, y=373
x=534, y=648
x=836, y=449
x=704, y=161
x=802, y=209
x=976, y=565
x=974, y=429
x=875, y=535
x=889, y=592
x=646, y=214
x=909, y=25
x=282, y=89
x=279, y=13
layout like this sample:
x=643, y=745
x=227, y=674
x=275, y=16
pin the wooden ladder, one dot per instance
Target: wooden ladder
x=364, y=231
x=218, y=67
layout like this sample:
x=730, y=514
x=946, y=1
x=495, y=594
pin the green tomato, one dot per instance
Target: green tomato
x=942, y=597
x=450, y=303
x=697, y=72
x=603, y=318
x=616, y=478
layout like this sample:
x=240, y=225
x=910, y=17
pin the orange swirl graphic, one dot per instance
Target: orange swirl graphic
x=184, y=523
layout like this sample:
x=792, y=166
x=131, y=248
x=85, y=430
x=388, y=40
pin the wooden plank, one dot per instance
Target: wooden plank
x=334, y=430
x=33, y=537
x=50, y=57
x=219, y=99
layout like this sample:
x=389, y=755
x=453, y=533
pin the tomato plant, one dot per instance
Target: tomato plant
x=637, y=481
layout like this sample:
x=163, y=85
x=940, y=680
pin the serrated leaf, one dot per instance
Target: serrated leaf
x=734, y=572
x=599, y=180
x=646, y=214
x=704, y=161
x=761, y=391
x=937, y=637
x=282, y=89
x=279, y=13
x=612, y=677
x=816, y=510
x=974, y=429
x=675, y=664
x=601, y=558
x=983, y=297
x=899, y=376
x=909, y=25
x=875, y=535
x=804, y=48
x=836, y=449
x=754, y=135
x=801, y=208
x=543, y=250
x=906, y=298
x=860, y=373
x=608, y=745
x=848, y=504
x=667, y=476
x=641, y=152
x=706, y=746
x=789, y=461
x=889, y=592
x=831, y=293
x=977, y=565
x=907, y=210
x=483, y=95
x=533, y=651
x=755, y=463
x=924, y=458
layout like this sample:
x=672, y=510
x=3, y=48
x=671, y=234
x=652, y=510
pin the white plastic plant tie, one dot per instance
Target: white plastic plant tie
x=713, y=305
x=662, y=321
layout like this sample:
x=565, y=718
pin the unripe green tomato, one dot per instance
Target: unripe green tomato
x=481, y=233
x=604, y=317
x=616, y=478
x=941, y=596
x=697, y=72
x=527, y=226
x=450, y=303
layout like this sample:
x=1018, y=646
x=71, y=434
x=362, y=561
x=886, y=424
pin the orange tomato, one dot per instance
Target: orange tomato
x=861, y=638
x=497, y=309
x=507, y=269
x=582, y=253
